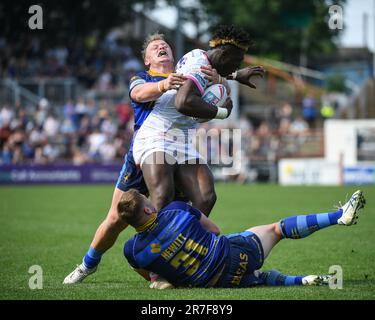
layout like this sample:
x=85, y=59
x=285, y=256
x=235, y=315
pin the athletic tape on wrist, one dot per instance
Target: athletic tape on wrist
x=159, y=87
x=222, y=113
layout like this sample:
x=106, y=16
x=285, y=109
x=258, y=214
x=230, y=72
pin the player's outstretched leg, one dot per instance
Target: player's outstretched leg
x=276, y=278
x=298, y=227
x=302, y=226
x=104, y=239
x=350, y=209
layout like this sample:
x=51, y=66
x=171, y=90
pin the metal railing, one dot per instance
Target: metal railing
x=30, y=91
x=12, y=93
x=56, y=90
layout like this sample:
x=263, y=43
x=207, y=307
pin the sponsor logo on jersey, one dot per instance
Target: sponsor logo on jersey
x=181, y=62
x=200, y=79
x=135, y=78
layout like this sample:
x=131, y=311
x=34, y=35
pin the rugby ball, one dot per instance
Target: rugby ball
x=214, y=95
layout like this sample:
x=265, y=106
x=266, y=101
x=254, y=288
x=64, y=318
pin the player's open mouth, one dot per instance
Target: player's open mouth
x=162, y=53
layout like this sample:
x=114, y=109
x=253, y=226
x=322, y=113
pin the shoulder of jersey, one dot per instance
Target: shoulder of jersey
x=196, y=56
x=200, y=56
x=197, y=52
x=140, y=75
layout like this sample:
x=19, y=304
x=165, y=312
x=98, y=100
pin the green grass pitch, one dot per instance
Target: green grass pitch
x=53, y=227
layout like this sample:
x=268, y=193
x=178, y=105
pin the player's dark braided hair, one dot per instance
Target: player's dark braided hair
x=232, y=35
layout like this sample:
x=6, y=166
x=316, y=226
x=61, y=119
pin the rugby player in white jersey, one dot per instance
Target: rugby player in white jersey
x=163, y=147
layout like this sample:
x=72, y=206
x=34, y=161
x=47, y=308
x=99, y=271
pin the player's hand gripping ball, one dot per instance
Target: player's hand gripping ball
x=215, y=95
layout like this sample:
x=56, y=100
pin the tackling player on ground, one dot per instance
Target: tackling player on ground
x=183, y=246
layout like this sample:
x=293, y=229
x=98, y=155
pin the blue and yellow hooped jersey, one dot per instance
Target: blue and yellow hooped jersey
x=143, y=109
x=178, y=248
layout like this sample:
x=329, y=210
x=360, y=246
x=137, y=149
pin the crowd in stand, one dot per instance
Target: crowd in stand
x=102, y=64
x=88, y=131
x=81, y=131
x=282, y=134
x=84, y=132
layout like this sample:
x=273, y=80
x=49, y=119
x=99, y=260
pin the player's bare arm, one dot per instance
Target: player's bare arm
x=152, y=91
x=190, y=103
x=245, y=75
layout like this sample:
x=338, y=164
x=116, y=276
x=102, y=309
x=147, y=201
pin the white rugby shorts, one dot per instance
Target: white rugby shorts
x=179, y=147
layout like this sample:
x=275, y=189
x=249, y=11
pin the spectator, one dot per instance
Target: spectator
x=79, y=157
x=6, y=116
x=61, y=54
x=107, y=151
x=104, y=81
x=42, y=112
x=95, y=140
x=92, y=108
x=51, y=152
x=299, y=126
x=124, y=113
x=51, y=126
x=84, y=131
x=39, y=157
x=309, y=110
x=69, y=110
x=286, y=112
x=6, y=154
x=132, y=65
x=37, y=138
x=284, y=127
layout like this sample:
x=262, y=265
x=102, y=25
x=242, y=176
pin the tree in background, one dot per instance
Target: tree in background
x=65, y=18
x=288, y=30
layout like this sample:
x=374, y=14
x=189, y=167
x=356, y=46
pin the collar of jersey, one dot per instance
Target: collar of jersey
x=148, y=224
x=154, y=74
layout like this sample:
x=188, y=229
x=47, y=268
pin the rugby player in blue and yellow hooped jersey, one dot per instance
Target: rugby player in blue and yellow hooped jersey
x=183, y=246
x=144, y=89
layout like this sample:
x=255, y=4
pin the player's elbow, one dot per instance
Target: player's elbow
x=215, y=230
x=137, y=96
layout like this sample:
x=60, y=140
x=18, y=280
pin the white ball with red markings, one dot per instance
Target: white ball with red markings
x=215, y=95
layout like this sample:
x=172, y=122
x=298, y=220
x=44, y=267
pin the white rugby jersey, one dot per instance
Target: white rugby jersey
x=164, y=116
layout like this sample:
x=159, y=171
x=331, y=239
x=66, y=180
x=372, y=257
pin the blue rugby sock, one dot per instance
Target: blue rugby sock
x=92, y=258
x=276, y=278
x=302, y=226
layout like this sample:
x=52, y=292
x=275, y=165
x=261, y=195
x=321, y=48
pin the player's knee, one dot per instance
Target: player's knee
x=209, y=199
x=205, y=202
